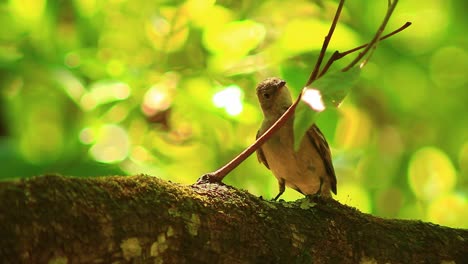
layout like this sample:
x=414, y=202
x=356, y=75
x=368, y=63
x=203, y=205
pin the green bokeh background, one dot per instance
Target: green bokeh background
x=166, y=88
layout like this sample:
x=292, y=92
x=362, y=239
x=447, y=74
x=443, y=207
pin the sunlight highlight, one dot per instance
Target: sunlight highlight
x=112, y=144
x=87, y=136
x=104, y=92
x=158, y=98
x=230, y=99
x=431, y=173
x=313, y=98
x=450, y=210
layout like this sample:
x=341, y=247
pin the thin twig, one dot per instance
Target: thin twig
x=338, y=55
x=313, y=75
x=376, y=38
x=407, y=24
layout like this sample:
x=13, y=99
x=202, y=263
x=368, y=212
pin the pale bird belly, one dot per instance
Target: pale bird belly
x=300, y=170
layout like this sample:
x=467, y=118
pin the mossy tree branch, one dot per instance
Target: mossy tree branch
x=143, y=219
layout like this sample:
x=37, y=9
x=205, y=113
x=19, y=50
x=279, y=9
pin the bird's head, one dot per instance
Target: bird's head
x=274, y=96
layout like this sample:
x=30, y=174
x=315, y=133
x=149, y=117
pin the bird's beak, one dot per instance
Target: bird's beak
x=281, y=85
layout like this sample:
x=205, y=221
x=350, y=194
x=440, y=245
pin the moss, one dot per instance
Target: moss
x=131, y=248
x=193, y=225
x=366, y=260
x=58, y=260
x=159, y=246
x=298, y=239
x=307, y=204
x=170, y=231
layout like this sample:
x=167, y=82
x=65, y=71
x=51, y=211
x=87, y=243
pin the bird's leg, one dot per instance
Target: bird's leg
x=282, y=187
x=319, y=191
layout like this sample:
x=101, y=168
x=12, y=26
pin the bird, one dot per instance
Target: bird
x=309, y=169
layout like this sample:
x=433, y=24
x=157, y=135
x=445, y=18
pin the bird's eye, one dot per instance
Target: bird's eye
x=266, y=95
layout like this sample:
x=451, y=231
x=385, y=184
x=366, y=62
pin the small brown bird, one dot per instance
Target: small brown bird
x=309, y=170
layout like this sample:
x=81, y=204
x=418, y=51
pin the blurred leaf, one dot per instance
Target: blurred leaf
x=9, y=55
x=336, y=85
x=296, y=70
x=330, y=90
x=169, y=30
x=234, y=39
x=431, y=173
x=295, y=39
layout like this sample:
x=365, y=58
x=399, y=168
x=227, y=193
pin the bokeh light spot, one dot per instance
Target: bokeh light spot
x=104, y=92
x=112, y=144
x=140, y=154
x=87, y=136
x=71, y=84
x=158, y=98
x=230, y=99
x=116, y=114
x=449, y=210
x=431, y=173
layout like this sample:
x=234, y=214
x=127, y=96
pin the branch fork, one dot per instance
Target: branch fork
x=218, y=175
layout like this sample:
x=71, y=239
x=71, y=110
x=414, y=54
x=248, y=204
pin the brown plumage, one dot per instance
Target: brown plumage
x=309, y=170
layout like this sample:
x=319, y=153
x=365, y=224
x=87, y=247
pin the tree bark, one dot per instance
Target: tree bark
x=143, y=219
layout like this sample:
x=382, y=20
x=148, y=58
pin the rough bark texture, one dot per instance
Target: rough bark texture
x=143, y=219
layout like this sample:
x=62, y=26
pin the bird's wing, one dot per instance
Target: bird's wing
x=320, y=143
x=260, y=155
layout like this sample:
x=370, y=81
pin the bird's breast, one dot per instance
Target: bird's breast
x=300, y=169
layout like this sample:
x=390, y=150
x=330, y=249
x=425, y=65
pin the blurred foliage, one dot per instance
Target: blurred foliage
x=166, y=88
